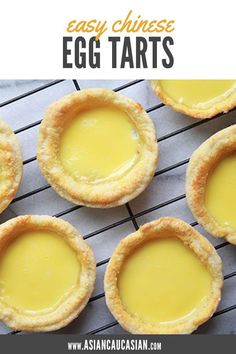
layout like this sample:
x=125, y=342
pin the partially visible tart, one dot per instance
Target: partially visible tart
x=10, y=165
x=163, y=279
x=47, y=273
x=197, y=98
x=97, y=148
x=211, y=184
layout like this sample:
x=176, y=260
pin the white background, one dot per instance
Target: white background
x=31, y=37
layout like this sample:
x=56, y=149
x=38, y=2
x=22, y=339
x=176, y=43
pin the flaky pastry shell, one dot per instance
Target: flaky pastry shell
x=11, y=165
x=108, y=193
x=164, y=227
x=222, y=106
x=203, y=160
x=71, y=307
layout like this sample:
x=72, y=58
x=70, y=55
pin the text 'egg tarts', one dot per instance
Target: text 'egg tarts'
x=10, y=165
x=47, y=273
x=163, y=279
x=211, y=184
x=97, y=148
x=197, y=98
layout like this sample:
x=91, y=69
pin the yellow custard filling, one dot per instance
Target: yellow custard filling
x=38, y=270
x=99, y=143
x=162, y=281
x=198, y=93
x=220, y=197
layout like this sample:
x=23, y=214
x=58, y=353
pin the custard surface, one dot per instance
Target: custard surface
x=38, y=270
x=99, y=144
x=198, y=93
x=220, y=195
x=163, y=281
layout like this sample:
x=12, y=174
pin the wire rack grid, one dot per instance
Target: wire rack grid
x=178, y=136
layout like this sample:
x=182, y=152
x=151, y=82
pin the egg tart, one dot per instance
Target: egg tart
x=197, y=98
x=97, y=148
x=163, y=279
x=47, y=273
x=211, y=184
x=10, y=165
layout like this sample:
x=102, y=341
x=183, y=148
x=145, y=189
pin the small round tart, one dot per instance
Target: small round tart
x=163, y=279
x=197, y=98
x=10, y=165
x=47, y=273
x=97, y=148
x=211, y=184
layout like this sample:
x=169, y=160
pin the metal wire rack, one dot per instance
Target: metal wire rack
x=132, y=216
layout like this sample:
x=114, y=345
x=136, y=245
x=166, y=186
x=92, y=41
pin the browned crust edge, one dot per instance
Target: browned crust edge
x=199, y=244
x=219, y=107
x=202, y=161
x=75, y=303
x=107, y=194
x=11, y=165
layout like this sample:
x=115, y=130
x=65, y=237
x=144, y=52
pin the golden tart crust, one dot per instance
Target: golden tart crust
x=191, y=238
x=223, y=106
x=11, y=165
x=109, y=193
x=71, y=307
x=203, y=160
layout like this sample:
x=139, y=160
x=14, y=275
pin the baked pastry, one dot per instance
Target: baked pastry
x=197, y=98
x=47, y=273
x=97, y=148
x=211, y=184
x=163, y=279
x=11, y=165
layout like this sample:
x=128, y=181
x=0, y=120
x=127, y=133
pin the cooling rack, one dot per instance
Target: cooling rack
x=178, y=137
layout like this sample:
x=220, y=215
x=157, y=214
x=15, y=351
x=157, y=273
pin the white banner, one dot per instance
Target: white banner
x=135, y=39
